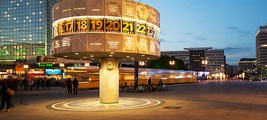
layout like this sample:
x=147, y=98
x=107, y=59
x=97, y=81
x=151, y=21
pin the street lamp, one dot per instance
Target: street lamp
x=61, y=65
x=243, y=76
x=172, y=63
x=141, y=63
x=86, y=64
x=204, y=62
x=25, y=68
x=222, y=72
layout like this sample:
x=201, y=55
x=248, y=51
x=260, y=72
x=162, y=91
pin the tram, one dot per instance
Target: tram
x=89, y=76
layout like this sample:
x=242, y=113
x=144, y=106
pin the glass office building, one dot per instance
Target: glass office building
x=25, y=28
x=261, y=46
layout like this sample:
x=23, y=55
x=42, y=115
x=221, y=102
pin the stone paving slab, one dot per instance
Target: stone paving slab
x=229, y=100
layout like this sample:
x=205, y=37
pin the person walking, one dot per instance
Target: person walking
x=69, y=86
x=75, y=86
x=47, y=82
x=160, y=85
x=31, y=83
x=38, y=81
x=149, y=84
x=25, y=83
x=149, y=81
x=5, y=96
x=43, y=82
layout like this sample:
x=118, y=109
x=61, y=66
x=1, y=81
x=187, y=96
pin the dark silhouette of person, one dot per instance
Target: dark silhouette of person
x=160, y=82
x=160, y=85
x=43, y=83
x=38, y=82
x=75, y=86
x=31, y=83
x=149, y=84
x=69, y=86
x=25, y=83
x=5, y=96
x=47, y=84
x=149, y=81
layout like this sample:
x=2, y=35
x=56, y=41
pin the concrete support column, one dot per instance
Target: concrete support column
x=109, y=80
x=136, y=74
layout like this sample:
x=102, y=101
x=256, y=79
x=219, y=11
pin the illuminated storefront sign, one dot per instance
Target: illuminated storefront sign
x=53, y=72
x=35, y=72
x=45, y=65
x=3, y=73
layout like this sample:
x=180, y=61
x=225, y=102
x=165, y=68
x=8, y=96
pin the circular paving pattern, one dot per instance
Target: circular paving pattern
x=95, y=105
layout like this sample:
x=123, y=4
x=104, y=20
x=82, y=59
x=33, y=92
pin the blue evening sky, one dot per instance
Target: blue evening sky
x=221, y=24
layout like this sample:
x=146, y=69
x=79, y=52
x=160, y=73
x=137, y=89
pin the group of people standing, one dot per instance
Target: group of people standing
x=26, y=84
x=160, y=86
x=31, y=83
x=72, y=86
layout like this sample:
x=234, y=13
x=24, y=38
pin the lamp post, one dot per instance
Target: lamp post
x=136, y=65
x=141, y=63
x=135, y=74
x=204, y=62
x=61, y=65
x=25, y=68
x=86, y=64
x=222, y=72
x=172, y=63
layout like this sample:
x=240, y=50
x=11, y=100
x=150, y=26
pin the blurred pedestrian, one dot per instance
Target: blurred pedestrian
x=149, y=81
x=38, y=81
x=75, y=86
x=149, y=84
x=25, y=83
x=69, y=86
x=31, y=83
x=47, y=84
x=5, y=96
x=43, y=82
x=160, y=85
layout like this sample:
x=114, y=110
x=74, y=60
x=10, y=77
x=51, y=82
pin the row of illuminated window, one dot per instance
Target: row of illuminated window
x=11, y=58
x=24, y=28
x=17, y=53
x=40, y=42
x=25, y=21
x=15, y=8
x=19, y=39
x=24, y=35
x=33, y=13
x=39, y=21
x=17, y=18
x=34, y=39
x=27, y=3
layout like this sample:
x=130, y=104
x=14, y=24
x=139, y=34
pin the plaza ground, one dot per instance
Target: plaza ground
x=213, y=100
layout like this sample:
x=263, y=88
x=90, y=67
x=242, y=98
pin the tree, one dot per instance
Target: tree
x=163, y=63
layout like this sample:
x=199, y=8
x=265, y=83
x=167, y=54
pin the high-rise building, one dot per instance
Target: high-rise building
x=247, y=64
x=197, y=58
x=261, y=46
x=25, y=28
